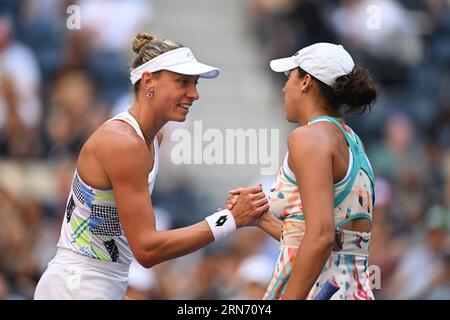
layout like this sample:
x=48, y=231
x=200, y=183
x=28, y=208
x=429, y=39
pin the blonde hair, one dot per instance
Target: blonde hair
x=147, y=47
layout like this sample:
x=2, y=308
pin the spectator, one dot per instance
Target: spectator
x=20, y=105
x=401, y=159
x=253, y=277
x=421, y=263
x=100, y=19
x=383, y=31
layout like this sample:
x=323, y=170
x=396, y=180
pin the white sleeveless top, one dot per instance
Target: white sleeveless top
x=91, y=225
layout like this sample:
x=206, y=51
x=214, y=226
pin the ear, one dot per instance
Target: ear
x=306, y=82
x=148, y=80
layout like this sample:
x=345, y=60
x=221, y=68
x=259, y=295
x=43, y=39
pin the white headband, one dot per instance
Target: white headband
x=179, y=60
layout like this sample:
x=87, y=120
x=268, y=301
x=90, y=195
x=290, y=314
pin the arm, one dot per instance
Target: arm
x=127, y=164
x=271, y=225
x=310, y=158
x=268, y=222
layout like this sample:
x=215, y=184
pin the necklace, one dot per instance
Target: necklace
x=146, y=138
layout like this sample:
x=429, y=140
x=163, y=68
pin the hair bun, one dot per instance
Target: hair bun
x=140, y=40
x=357, y=90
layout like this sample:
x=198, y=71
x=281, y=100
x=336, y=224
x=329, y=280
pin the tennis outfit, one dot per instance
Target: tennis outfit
x=93, y=255
x=353, y=199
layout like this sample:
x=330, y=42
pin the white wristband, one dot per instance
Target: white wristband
x=221, y=223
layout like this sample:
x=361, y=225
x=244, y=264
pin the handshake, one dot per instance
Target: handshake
x=248, y=205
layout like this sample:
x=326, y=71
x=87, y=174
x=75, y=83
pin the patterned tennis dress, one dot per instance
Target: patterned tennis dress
x=93, y=256
x=353, y=199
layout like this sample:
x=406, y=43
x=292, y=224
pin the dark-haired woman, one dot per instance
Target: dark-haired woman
x=324, y=192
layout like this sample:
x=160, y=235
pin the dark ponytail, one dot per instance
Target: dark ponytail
x=356, y=91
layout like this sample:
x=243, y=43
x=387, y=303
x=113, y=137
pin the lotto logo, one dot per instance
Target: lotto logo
x=221, y=221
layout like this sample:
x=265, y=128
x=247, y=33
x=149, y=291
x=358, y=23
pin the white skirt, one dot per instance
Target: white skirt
x=71, y=276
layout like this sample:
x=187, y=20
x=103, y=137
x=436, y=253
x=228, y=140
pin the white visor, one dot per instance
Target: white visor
x=179, y=60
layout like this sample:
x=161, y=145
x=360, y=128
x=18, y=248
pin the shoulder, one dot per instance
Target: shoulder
x=313, y=138
x=118, y=142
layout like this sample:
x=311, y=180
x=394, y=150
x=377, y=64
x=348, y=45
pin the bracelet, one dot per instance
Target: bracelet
x=221, y=223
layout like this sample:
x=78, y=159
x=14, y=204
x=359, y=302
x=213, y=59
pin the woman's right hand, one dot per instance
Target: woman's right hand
x=232, y=198
x=247, y=205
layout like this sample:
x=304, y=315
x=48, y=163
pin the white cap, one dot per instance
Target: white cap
x=324, y=61
x=179, y=60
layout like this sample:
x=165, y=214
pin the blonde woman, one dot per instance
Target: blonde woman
x=109, y=216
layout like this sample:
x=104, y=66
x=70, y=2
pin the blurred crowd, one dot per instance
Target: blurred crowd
x=58, y=85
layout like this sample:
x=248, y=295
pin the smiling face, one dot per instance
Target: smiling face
x=174, y=94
